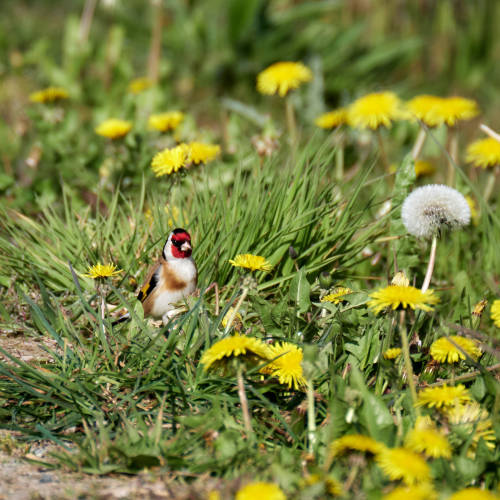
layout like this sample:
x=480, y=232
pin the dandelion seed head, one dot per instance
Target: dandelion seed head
x=433, y=208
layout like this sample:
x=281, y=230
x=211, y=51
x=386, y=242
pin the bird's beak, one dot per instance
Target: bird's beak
x=186, y=246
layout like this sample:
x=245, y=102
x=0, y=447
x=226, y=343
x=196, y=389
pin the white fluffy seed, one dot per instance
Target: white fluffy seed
x=433, y=208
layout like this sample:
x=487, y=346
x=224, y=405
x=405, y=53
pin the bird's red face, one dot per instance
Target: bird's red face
x=179, y=244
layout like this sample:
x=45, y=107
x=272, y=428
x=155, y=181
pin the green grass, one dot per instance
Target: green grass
x=119, y=399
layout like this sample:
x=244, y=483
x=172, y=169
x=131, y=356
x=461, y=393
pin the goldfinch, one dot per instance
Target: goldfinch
x=171, y=279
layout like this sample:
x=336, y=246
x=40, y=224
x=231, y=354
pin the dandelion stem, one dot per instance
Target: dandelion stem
x=86, y=20
x=383, y=154
x=244, y=402
x=490, y=184
x=488, y=131
x=311, y=417
x=430, y=265
x=419, y=144
x=339, y=165
x=291, y=122
x=453, y=150
x=407, y=360
x=236, y=309
x=155, y=47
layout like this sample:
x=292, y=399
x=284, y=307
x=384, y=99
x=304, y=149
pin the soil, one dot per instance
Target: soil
x=22, y=479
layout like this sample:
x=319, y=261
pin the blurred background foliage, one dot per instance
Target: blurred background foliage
x=208, y=53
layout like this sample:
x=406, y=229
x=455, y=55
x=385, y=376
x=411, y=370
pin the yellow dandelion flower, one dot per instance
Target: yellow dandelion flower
x=202, y=153
x=484, y=153
x=337, y=296
x=474, y=214
x=252, y=262
x=332, y=119
x=434, y=111
x=473, y=494
x=423, y=107
x=404, y=464
x=102, y=271
x=400, y=279
x=233, y=347
x=281, y=77
x=422, y=491
x=356, y=442
x=424, y=168
x=260, y=490
x=392, y=353
x=443, y=351
x=138, y=85
x=170, y=160
x=287, y=367
x=395, y=296
x=375, y=110
x=479, y=308
x=443, y=396
x=472, y=419
x=454, y=109
x=114, y=128
x=164, y=122
x=50, y=94
x=333, y=487
x=425, y=438
x=214, y=495
x=495, y=312
x=148, y=215
x=237, y=321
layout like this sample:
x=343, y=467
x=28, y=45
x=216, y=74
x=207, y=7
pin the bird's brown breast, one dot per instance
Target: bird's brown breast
x=171, y=281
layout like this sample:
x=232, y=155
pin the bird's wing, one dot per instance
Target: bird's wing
x=150, y=283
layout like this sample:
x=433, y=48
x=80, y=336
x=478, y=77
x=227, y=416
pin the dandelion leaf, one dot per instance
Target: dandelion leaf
x=300, y=290
x=403, y=247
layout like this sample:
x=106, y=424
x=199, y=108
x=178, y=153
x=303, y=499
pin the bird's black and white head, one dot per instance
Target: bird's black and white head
x=178, y=245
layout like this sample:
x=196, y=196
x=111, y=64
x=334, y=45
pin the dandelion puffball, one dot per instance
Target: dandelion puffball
x=430, y=209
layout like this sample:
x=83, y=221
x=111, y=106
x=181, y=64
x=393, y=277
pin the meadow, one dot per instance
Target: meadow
x=344, y=340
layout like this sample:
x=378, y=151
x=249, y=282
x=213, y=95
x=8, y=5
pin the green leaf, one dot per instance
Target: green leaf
x=374, y=414
x=300, y=291
x=5, y=181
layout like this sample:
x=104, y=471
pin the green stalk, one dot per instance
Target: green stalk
x=405, y=346
x=244, y=402
x=453, y=152
x=235, y=310
x=291, y=123
x=430, y=265
x=339, y=165
x=490, y=184
x=419, y=144
x=311, y=417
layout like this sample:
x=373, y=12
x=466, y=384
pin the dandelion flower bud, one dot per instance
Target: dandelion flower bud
x=431, y=209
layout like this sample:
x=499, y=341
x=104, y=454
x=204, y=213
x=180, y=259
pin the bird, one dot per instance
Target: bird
x=170, y=280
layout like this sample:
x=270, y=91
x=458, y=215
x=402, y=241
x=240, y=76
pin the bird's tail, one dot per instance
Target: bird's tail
x=121, y=319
